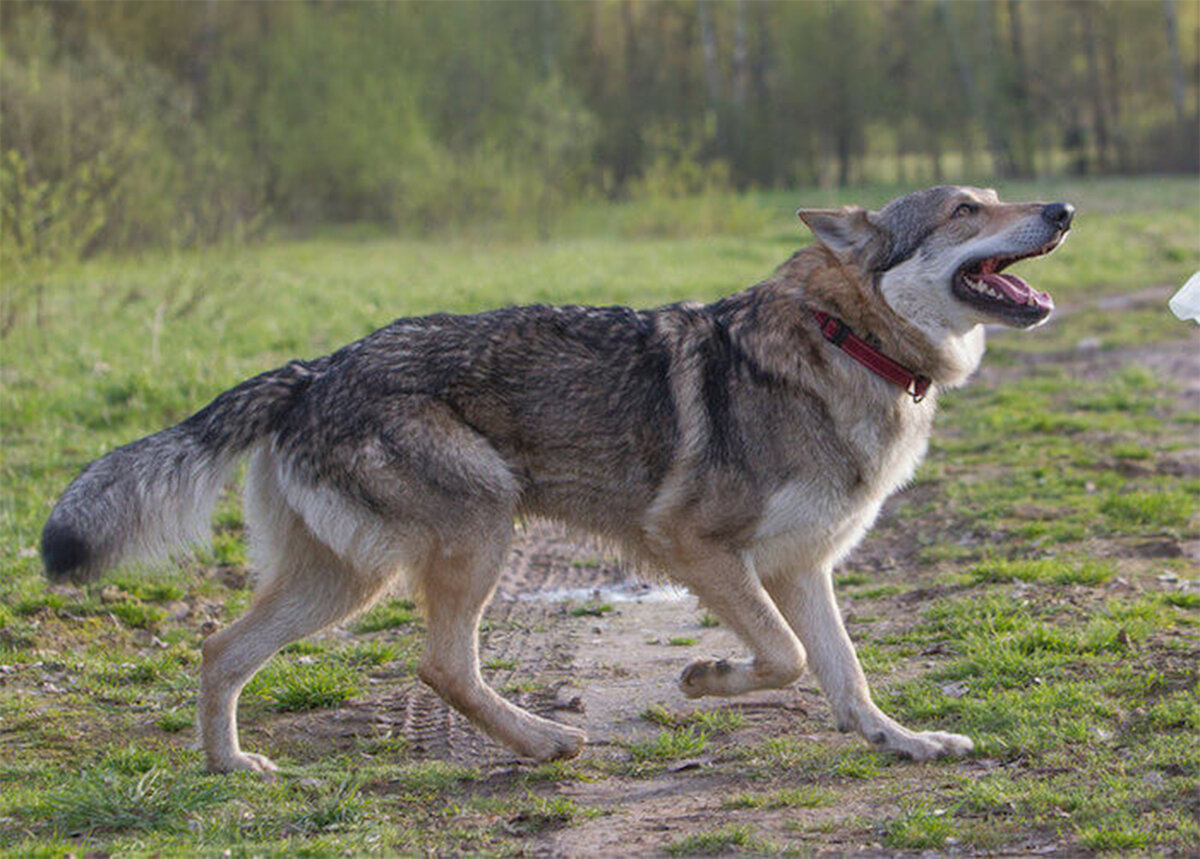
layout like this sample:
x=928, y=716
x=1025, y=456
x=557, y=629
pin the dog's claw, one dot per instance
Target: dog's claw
x=927, y=745
x=246, y=761
x=564, y=743
x=692, y=682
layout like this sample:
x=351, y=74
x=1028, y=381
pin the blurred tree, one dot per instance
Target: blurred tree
x=174, y=123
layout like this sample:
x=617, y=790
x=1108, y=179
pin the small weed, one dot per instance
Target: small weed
x=325, y=810
x=801, y=797
x=110, y=801
x=857, y=764
x=132, y=760
x=706, y=721
x=1165, y=509
x=731, y=839
x=367, y=654
x=137, y=615
x=1048, y=570
x=306, y=687
x=540, y=814
x=669, y=745
x=680, y=641
x=421, y=781
x=1109, y=837
x=717, y=721
x=850, y=580
x=500, y=664
x=174, y=721
x=151, y=591
x=879, y=592
x=1182, y=600
x=388, y=615
x=708, y=620
x=660, y=715
x=595, y=609
x=918, y=829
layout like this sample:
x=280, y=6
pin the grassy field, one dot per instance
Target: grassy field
x=1036, y=588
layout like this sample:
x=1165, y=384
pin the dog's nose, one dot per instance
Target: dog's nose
x=1059, y=214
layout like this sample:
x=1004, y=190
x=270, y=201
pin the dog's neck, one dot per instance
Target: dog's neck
x=928, y=346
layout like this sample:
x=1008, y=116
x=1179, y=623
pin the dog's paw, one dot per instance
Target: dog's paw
x=554, y=744
x=925, y=745
x=704, y=677
x=245, y=761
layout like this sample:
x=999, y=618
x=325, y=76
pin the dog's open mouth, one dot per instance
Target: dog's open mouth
x=982, y=283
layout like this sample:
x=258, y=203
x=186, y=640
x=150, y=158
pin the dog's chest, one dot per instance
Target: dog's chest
x=842, y=484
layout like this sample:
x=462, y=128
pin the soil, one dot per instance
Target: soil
x=602, y=672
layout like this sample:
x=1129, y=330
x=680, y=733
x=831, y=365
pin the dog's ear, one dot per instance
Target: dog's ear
x=850, y=231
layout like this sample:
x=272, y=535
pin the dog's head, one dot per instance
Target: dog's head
x=938, y=256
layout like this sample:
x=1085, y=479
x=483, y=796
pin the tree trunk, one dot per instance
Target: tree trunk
x=1112, y=89
x=1095, y=89
x=1020, y=92
x=708, y=44
x=1171, y=19
x=1001, y=153
x=739, y=56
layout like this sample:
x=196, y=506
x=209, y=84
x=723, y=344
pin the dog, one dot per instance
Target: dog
x=741, y=448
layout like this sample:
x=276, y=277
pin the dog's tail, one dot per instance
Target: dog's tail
x=157, y=493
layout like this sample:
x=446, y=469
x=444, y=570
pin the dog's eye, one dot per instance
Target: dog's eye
x=965, y=209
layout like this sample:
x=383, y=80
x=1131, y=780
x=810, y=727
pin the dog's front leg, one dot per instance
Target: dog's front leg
x=808, y=602
x=728, y=585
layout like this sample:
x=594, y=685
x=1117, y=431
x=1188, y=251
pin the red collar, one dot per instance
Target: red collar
x=839, y=334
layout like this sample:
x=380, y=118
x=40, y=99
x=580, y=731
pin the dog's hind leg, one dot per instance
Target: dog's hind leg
x=457, y=584
x=303, y=588
x=310, y=590
x=808, y=601
x=728, y=586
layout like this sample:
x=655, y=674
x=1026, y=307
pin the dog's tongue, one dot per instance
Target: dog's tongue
x=1017, y=290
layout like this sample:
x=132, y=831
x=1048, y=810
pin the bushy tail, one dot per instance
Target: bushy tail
x=158, y=493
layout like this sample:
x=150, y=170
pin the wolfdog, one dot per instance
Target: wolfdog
x=741, y=448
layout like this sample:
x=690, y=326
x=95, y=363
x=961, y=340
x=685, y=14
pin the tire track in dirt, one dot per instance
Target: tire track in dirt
x=527, y=651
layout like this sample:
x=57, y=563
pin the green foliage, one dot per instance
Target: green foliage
x=128, y=126
x=669, y=745
x=731, y=839
x=1050, y=570
x=592, y=609
x=388, y=615
x=1150, y=509
x=800, y=797
x=137, y=614
x=919, y=828
x=329, y=808
x=540, y=814
x=100, y=800
x=292, y=687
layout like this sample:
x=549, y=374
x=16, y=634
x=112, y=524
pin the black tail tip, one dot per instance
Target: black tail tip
x=66, y=554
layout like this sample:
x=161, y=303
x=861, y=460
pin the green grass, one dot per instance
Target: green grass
x=800, y=797
x=594, y=609
x=388, y=615
x=1154, y=510
x=1021, y=569
x=731, y=839
x=1047, y=570
x=682, y=641
x=292, y=687
x=682, y=742
x=100, y=801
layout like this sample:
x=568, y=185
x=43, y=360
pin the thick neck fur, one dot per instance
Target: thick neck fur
x=816, y=278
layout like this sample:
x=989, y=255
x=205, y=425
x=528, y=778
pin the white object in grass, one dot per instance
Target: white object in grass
x=1186, y=303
